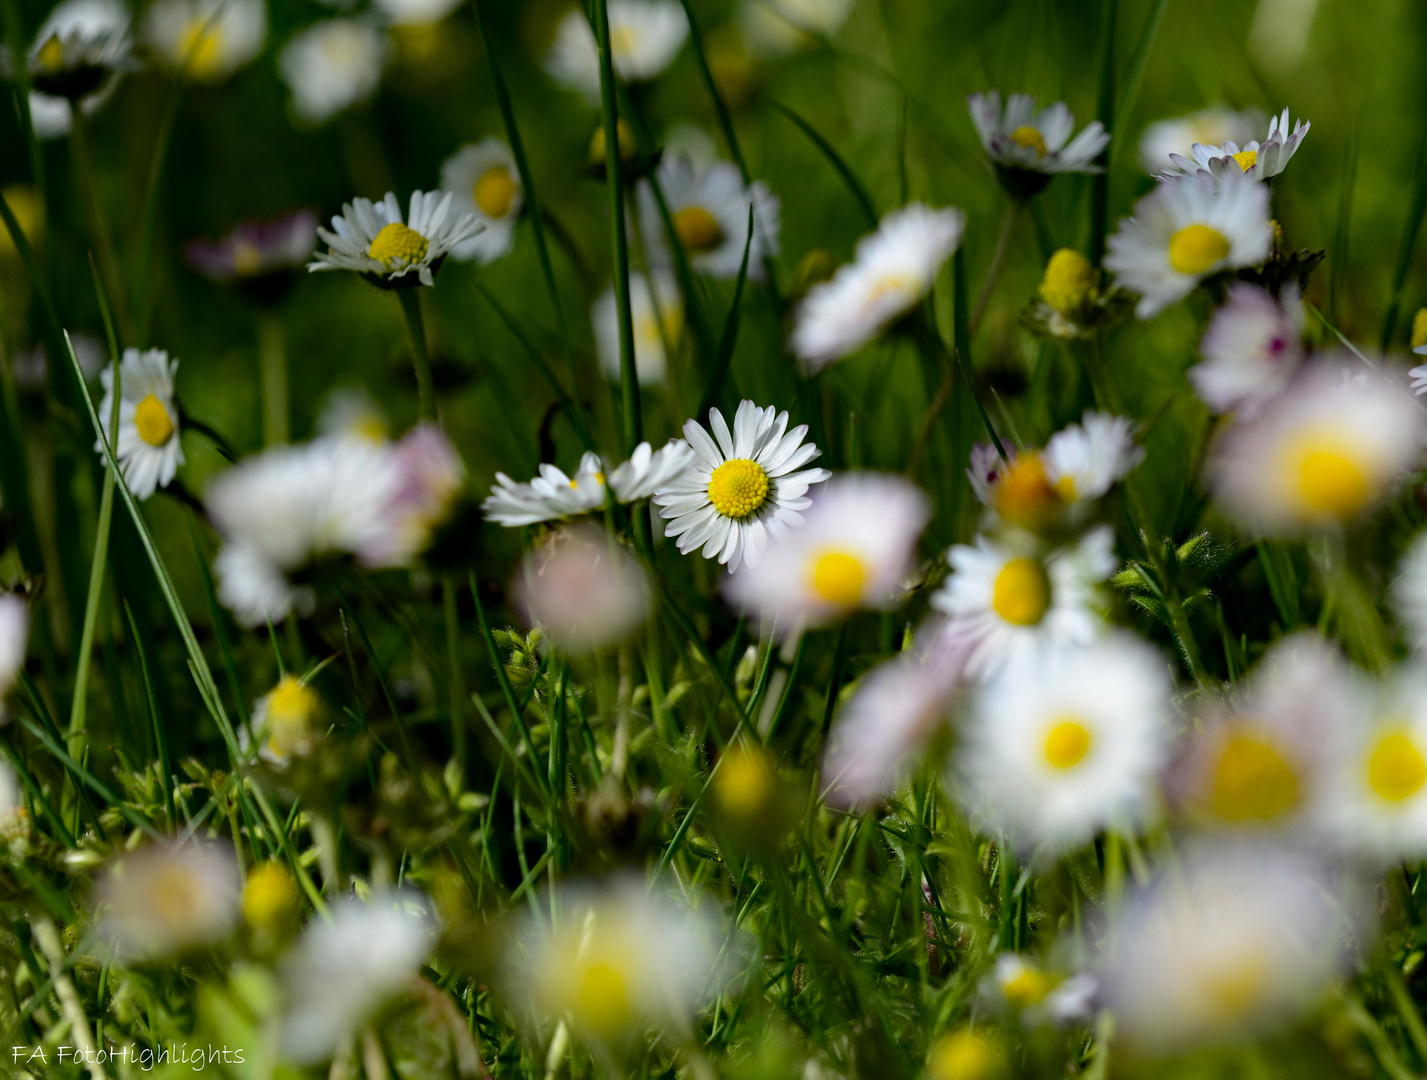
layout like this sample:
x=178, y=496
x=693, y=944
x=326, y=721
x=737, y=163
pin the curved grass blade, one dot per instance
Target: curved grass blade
x=1135, y=71
x=721, y=114
x=160, y=737
x=848, y=176
x=730, y=329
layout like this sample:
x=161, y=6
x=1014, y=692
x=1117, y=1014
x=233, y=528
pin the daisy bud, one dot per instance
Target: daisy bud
x=1069, y=279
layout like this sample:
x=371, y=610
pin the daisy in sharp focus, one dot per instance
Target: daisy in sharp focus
x=1257, y=160
x=331, y=66
x=644, y=38
x=658, y=315
x=708, y=207
x=371, y=239
x=554, y=495
x=744, y=488
x=1212, y=126
x=1029, y=147
x=206, y=40
x=893, y=271
x=149, y=449
x=1251, y=348
x=484, y=181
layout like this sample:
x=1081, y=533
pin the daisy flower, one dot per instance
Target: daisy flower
x=708, y=207
x=744, y=488
x=1257, y=160
x=206, y=40
x=658, y=315
x=893, y=271
x=371, y=239
x=1083, y=461
x=1320, y=454
x=149, y=450
x=854, y=550
x=649, y=471
x=350, y=413
x=1186, y=231
x=553, y=495
x=778, y=27
x=1067, y=743
x=160, y=901
x=1038, y=995
x=1029, y=147
x=431, y=479
x=331, y=66
x=1409, y=592
x=1251, y=348
x=1007, y=598
x=484, y=182
x=284, y=721
x=79, y=50
x=260, y=256
x=583, y=589
x=644, y=37
x=1212, y=126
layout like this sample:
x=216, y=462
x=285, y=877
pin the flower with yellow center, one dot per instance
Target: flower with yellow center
x=149, y=449
x=708, y=204
x=963, y=1055
x=331, y=66
x=391, y=252
x=658, y=311
x=1021, y=592
x=738, y=488
x=698, y=230
x=1067, y=741
x=286, y=720
x=1196, y=249
x=644, y=37
x=160, y=901
x=484, y=181
x=78, y=52
x=270, y=896
x=1023, y=494
x=396, y=247
x=206, y=40
x=1257, y=161
x=1028, y=146
x=1253, y=780
x=152, y=422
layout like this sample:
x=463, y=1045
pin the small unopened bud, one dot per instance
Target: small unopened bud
x=1069, y=278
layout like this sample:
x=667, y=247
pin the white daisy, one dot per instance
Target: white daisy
x=1007, y=598
x=1334, y=443
x=742, y=490
x=206, y=40
x=284, y=721
x=644, y=37
x=1251, y=348
x=658, y=324
x=14, y=640
x=708, y=207
x=149, y=449
x=1046, y=490
x=854, y=550
x=1027, y=146
x=1185, y=231
x=583, y=589
x=1257, y=160
x=648, y=471
x=894, y=270
x=777, y=27
x=160, y=900
x=548, y=497
x=431, y=479
x=371, y=238
x=484, y=181
x=331, y=66
x=1213, y=126
x=79, y=49
x=415, y=12
x=350, y=412
x=1409, y=592
x=1066, y=743
x=1038, y=994
x=1083, y=461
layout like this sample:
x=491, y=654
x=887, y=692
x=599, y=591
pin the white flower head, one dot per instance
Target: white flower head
x=649, y=471
x=1212, y=126
x=372, y=239
x=894, y=270
x=161, y=900
x=708, y=206
x=206, y=40
x=644, y=36
x=778, y=27
x=744, y=488
x=431, y=479
x=483, y=181
x=343, y=969
x=14, y=641
x=1409, y=592
x=331, y=66
x=854, y=550
x=79, y=49
x=1028, y=146
x=548, y=497
x=1185, y=231
x=1418, y=374
x=583, y=589
x=415, y=12
x=1083, y=461
x=1333, y=444
x=658, y=317
x=1257, y=160
x=1039, y=994
x=1004, y=599
x=149, y=449
x=284, y=721
x=1065, y=743
x=1252, y=346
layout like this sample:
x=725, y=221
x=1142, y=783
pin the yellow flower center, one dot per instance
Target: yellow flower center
x=200, y=48
x=1069, y=277
x=495, y=192
x=269, y=894
x=1024, y=496
x=291, y=707
x=1238, y=987
x=175, y=894
x=1066, y=743
x=51, y=54
x=962, y=1056
x=152, y=421
x=1025, y=135
x=396, y=247
x=1252, y=781
x=1026, y=987
x=738, y=488
x=1195, y=249
x=1247, y=159
x=698, y=230
x=623, y=41
x=743, y=782
x=1396, y=768
x=247, y=259
x=1065, y=488
x=1021, y=593
x=625, y=135
x=1419, y=328
x=1327, y=474
x=839, y=577
x=601, y=998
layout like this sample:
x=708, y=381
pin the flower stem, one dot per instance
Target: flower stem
x=411, y=308
x=272, y=365
x=998, y=263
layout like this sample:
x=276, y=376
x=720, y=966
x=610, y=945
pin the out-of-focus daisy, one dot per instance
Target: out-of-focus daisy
x=14, y=640
x=776, y=27
x=1029, y=146
x=77, y=55
x=484, y=181
x=350, y=413
x=658, y=316
x=30, y=367
x=1037, y=993
x=206, y=40
x=343, y=969
x=644, y=38
x=1007, y=598
x=1183, y=232
x=894, y=270
x=1252, y=346
x=1331, y=445
x=744, y=488
x=149, y=450
x=708, y=207
x=1212, y=126
x=966, y=1054
x=416, y=13
x=1409, y=592
x=1071, y=302
x=1066, y=743
x=854, y=550
x=52, y=117
x=583, y=589
x=372, y=239
x=1236, y=941
x=161, y=900
x=1257, y=160
x=284, y=721
x=431, y=479
x=1419, y=346
x=331, y=66
x=1083, y=461
x=259, y=256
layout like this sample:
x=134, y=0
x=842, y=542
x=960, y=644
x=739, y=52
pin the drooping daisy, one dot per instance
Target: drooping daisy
x=206, y=40
x=1334, y=443
x=583, y=589
x=284, y=721
x=1066, y=743
x=745, y=487
x=431, y=478
x=161, y=900
x=484, y=181
x=52, y=117
x=1409, y=592
x=1183, y=232
x=372, y=239
x=1251, y=348
x=1028, y=147
x=548, y=497
x=649, y=471
x=149, y=450
x=1212, y=126
x=854, y=550
x=1257, y=160
x=1006, y=598
x=777, y=27
x=331, y=66
x=259, y=256
x=14, y=640
x=78, y=50
x=644, y=38
x=708, y=207
x=894, y=270
x=658, y=316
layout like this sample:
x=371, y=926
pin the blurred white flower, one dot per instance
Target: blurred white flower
x=78, y=55
x=658, y=317
x=350, y=412
x=430, y=480
x=776, y=27
x=331, y=66
x=1083, y=461
x=483, y=181
x=50, y=117
x=30, y=367
x=1039, y=994
x=149, y=449
x=206, y=40
x=708, y=207
x=644, y=37
x=1409, y=592
x=371, y=239
x=14, y=641
x=1212, y=126
x=415, y=12
x=649, y=471
x=1252, y=346
x=284, y=721
x=1257, y=160
x=1021, y=139
x=583, y=589
x=162, y=900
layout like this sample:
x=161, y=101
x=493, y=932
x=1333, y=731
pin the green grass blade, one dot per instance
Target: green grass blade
x=1411, y=226
x=149, y=215
x=517, y=711
x=730, y=330
x=721, y=114
x=1135, y=72
x=1105, y=112
x=160, y=736
x=36, y=795
x=849, y=178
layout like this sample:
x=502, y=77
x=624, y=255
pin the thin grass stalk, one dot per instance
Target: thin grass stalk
x=1105, y=112
x=272, y=367
x=149, y=216
x=998, y=263
x=456, y=682
x=155, y=717
x=1411, y=226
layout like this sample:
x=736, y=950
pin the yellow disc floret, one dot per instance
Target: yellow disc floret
x=51, y=54
x=1246, y=159
x=1025, y=135
x=1069, y=277
x=1024, y=495
x=1252, y=781
x=1195, y=249
x=200, y=49
x=963, y=1056
x=288, y=715
x=743, y=783
x=1066, y=743
x=738, y=488
x=1419, y=328
x=495, y=191
x=601, y=997
x=270, y=894
x=697, y=229
x=152, y=421
x=396, y=247
x=1021, y=593
x=838, y=578
x=1396, y=768
x=1327, y=474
